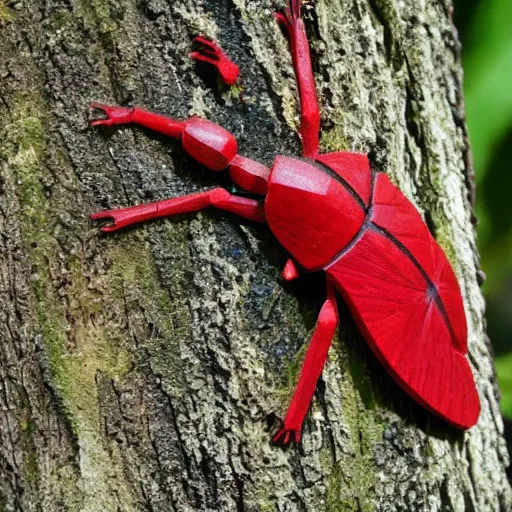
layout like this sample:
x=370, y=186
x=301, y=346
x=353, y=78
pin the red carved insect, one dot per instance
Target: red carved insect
x=332, y=212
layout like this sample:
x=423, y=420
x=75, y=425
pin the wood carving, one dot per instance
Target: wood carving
x=334, y=213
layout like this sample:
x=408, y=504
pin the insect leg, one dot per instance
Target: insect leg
x=207, y=142
x=211, y=53
x=218, y=197
x=293, y=26
x=113, y=115
x=314, y=361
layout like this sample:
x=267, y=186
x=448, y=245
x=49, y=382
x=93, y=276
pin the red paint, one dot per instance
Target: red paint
x=333, y=213
x=212, y=54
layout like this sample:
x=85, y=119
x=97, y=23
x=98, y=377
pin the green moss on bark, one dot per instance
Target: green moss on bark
x=352, y=481
x=6, y=14
x=334, y=139
x=444, y=237
x=98, y=13
x=77, y=348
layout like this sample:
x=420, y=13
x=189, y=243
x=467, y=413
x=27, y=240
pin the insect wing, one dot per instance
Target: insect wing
x=413, y=319
x=394, y=213
x=354, y=168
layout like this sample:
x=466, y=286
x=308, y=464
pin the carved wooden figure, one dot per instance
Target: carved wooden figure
x=333, y=212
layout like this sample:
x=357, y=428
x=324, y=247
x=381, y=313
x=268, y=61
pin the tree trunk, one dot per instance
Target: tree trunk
x=146, y=370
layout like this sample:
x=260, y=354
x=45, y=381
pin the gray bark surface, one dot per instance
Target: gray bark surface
x=146, y=370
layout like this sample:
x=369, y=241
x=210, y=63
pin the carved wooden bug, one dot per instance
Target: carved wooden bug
x=332, y=212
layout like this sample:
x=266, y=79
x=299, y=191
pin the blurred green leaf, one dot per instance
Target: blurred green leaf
x=488, y=80
x=487, y=59
x=497, y=263
x=504, y=369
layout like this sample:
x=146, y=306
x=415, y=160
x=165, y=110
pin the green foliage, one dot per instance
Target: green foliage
x=488, y=72
x=6, y=14
x=504, y=369
x=487, y=56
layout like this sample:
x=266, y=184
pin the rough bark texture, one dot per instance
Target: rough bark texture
x=145, y=370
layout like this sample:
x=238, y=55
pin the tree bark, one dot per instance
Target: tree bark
x=146, y=370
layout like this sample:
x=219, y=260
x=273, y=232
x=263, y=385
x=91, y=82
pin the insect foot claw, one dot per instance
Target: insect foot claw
x=124, y=217
x=285, y=435
x=208, y=51
x=105, y=216
x=109, y=115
